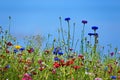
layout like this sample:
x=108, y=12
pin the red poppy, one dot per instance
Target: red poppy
x=69, y=62
x=76, y=67
x=62, y=62
x=56, y=65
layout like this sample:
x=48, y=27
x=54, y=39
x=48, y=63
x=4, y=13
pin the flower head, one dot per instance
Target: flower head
x=26, y=77
x=60, y=53
x=9, y=44
x=56, y=65
x=15, y=50
x=57, y=50
x=67, y=19
x=90, y=34
x=56, y=59
x=98, y=78
x=84, y=21
x=30, y=50
x=112, y=53
x=7, y=66
x=94, y=28
x=113, y=77
x=22, y=49
x=17, y=47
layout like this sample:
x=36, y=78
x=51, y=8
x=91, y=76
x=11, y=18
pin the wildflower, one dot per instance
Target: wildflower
x=40, y=61
x=56, y=50
x=62, y=62
x=7, y=66
x=53, y=71
x=56, y=65
x=71, y=49
x=91, y=74
x=9, y=44
x=67, y=19
x=90, y=34
x=47, y=51
x=41, y=68
x=84, y=21
x=22, y=49
x=15, y=50
x=69, y=62
x=7, y=51
x=60, y=53
x=80, y=56
x=56, y=59
x=17, y=47
x=30, y=50
x=26, y=77
x=98, y=78
x=113, y=77
x=76, y=67
x=112, y=53
x=94, y=28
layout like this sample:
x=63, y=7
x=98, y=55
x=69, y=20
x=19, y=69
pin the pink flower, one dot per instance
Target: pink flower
x=26, y=77
x=98, y=78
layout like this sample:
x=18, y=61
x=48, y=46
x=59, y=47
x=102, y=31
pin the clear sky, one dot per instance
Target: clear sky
x=30, y=17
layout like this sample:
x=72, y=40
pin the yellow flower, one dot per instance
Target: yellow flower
x=17, y=47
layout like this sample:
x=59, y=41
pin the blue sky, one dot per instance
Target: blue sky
x=31, y=17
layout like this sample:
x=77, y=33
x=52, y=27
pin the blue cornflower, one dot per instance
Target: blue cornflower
x=7, y=66
x=60, y=53
x=84, y=21
x=94, y=28
x=67, y=19
x=90, y=34
x=56, y=59
x=113, y=77
x=56, y=50
x=15, y=50
x=22, y=49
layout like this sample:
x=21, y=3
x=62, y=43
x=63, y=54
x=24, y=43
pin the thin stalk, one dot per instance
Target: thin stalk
x=82, y=40
x=9, y=24
x=68, y=41
x=73, y=34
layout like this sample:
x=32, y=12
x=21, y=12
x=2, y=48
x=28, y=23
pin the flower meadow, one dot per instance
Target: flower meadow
x=60, y=60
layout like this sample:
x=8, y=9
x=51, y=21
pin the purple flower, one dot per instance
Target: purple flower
x=56, y=59
x=112, y=53
x=94, y=28
x=67, y=19
x=84, y=21
x=7, y=66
